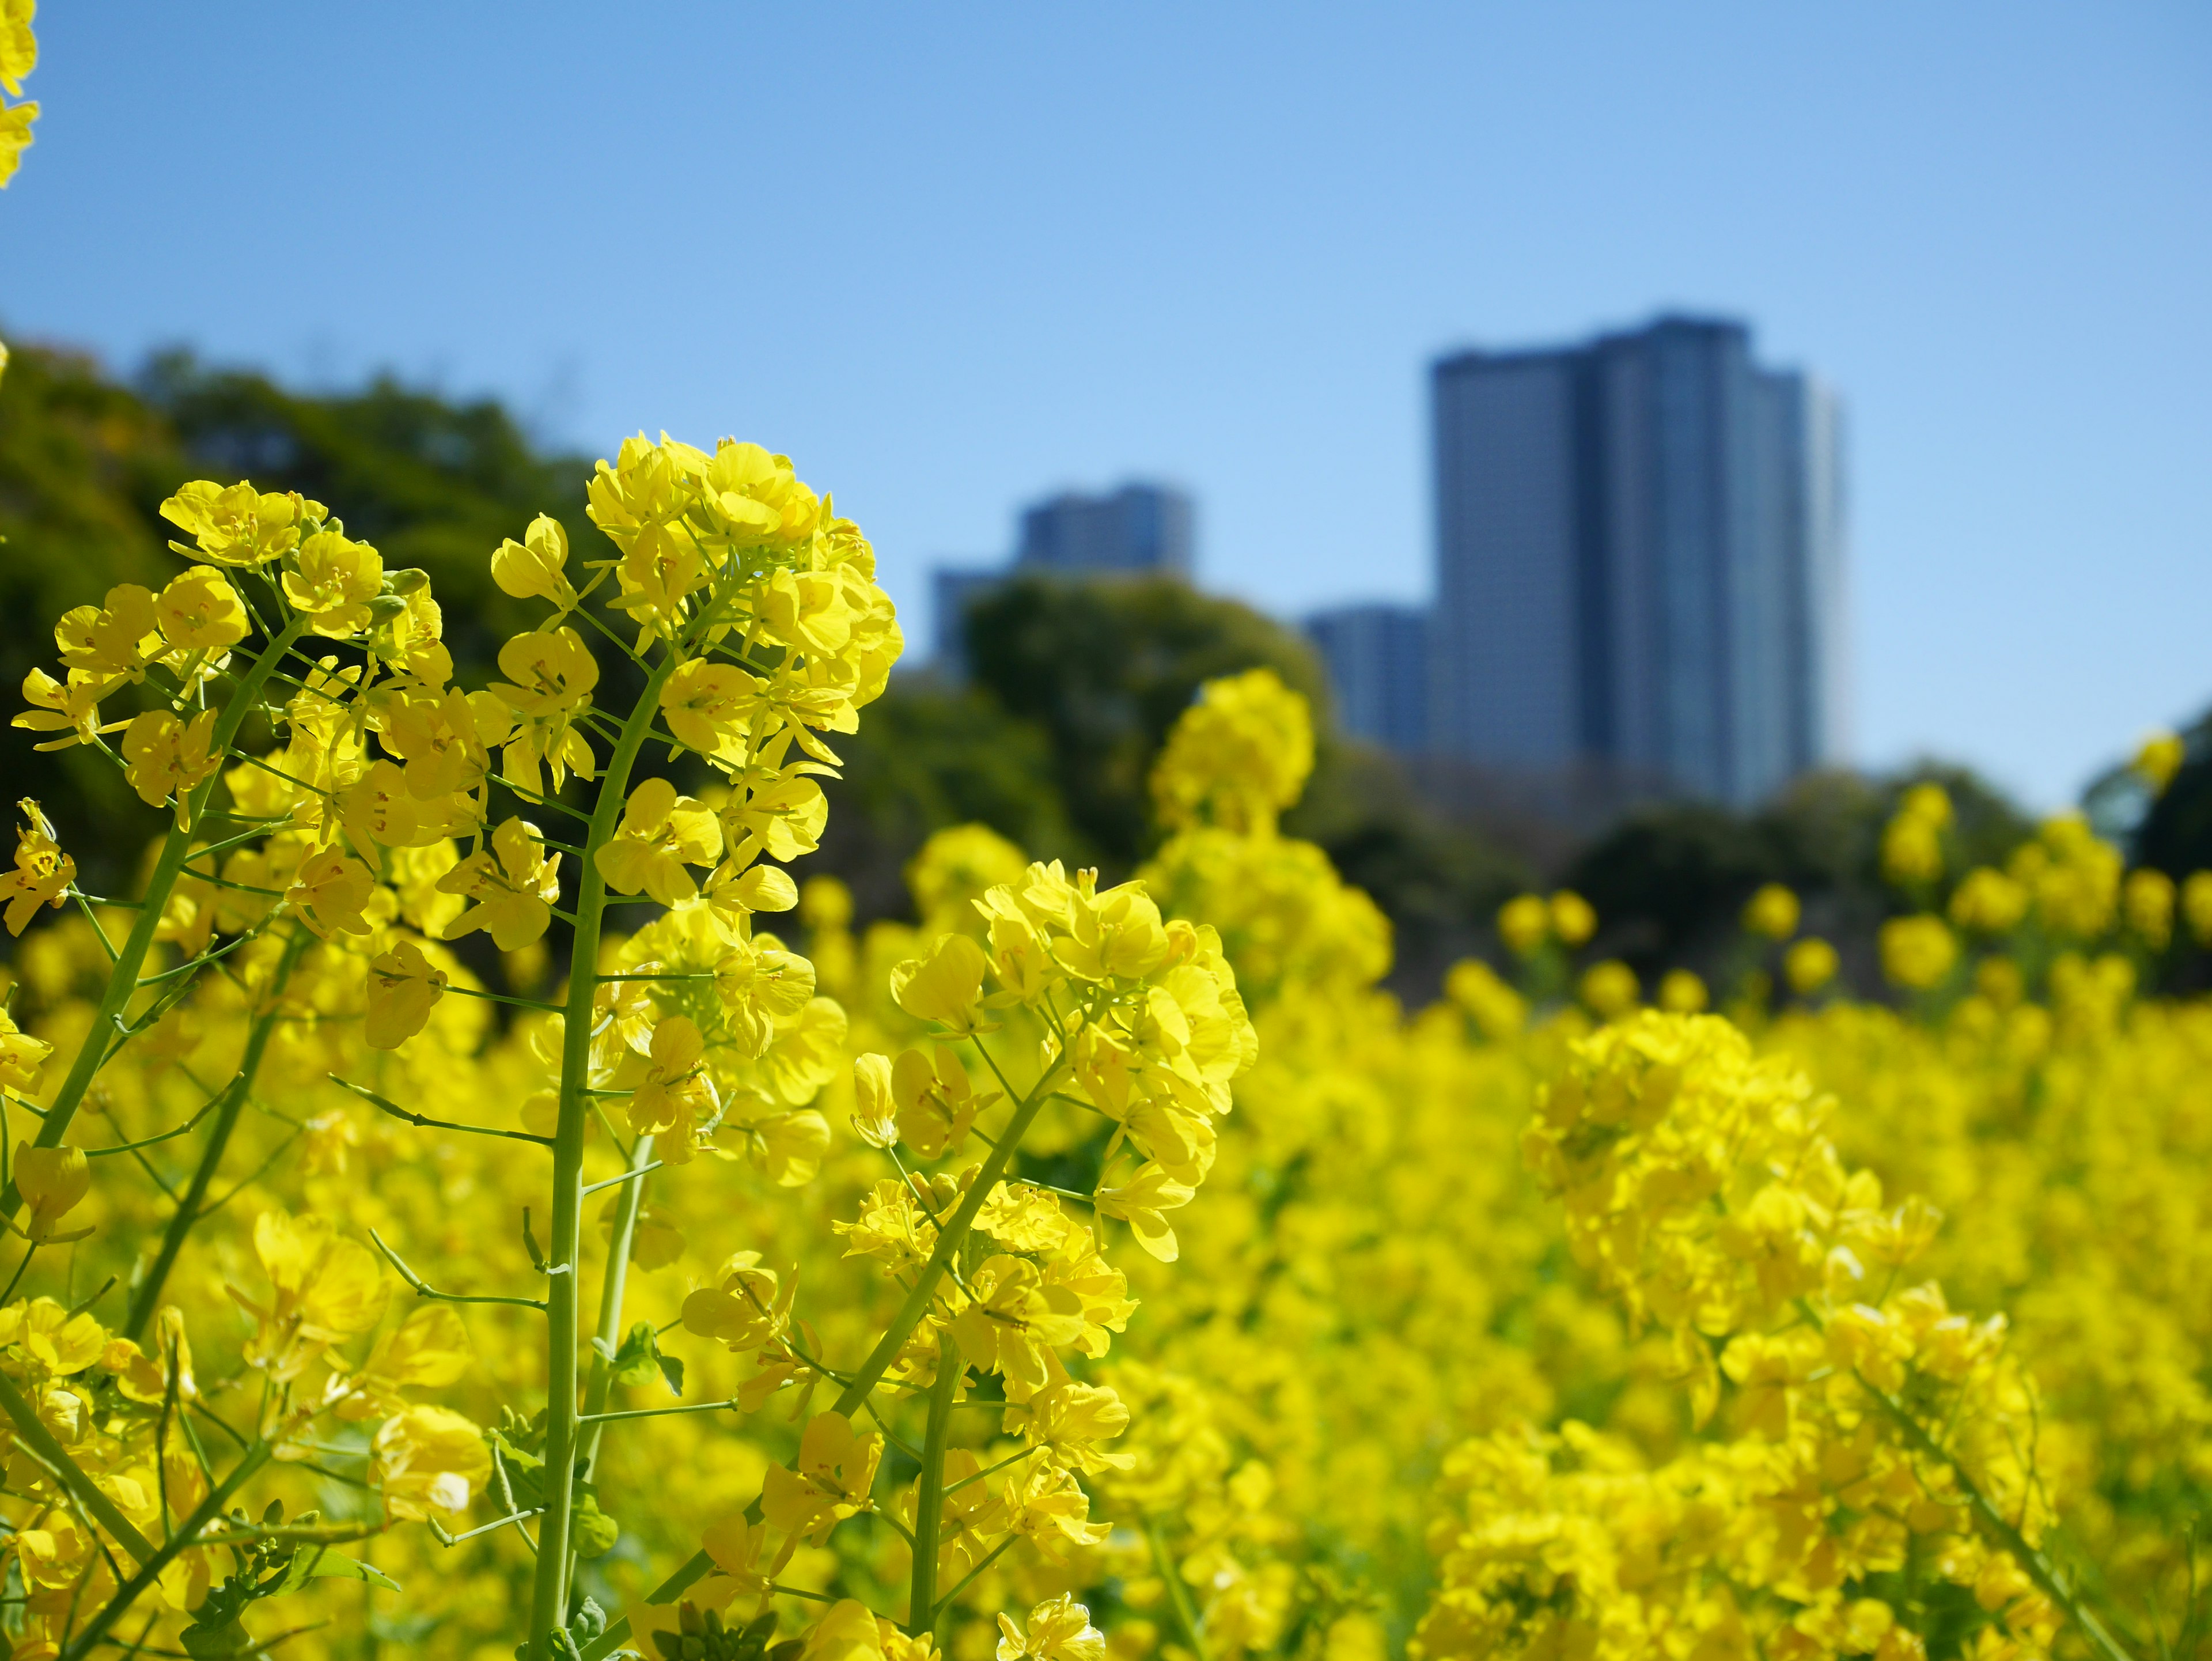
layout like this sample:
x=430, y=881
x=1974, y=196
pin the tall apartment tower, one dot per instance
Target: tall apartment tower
x=1639, y=562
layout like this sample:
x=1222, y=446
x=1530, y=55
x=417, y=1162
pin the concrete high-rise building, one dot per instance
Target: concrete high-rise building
x=1639, y=562
x=1138, y=528
x=1377, y=657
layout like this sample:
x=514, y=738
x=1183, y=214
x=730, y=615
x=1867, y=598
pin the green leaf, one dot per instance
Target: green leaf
x=672, y=1369
x=591, y=1530
x=639, y=1358
x=321, y=1563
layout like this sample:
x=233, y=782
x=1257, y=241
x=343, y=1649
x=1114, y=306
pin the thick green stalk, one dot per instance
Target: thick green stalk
x=148, y=1291
x=548, y=1596
x=70, y=1473
x=629, y=1200
x=123, y=975
x=151, y=1567
x=929, y=1496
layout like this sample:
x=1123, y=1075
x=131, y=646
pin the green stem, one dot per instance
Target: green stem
x=549, y=1597
x=1179, y=1603
x=151, y=1567
x=70, y=1473
x=123, y=977
x=2001, y=1529
x=611, y=1287
x=148, y=1291
x=929, y=1496
x=950, y=1239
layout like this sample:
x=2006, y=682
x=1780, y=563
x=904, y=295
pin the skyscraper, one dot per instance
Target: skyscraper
x=1639, y=560
x=1377, y=657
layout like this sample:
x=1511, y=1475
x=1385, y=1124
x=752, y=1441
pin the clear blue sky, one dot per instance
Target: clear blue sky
x=950, y=257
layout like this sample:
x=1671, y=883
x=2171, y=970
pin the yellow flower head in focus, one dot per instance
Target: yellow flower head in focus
x=403, y=990
x=1236, y=758
x=330, y=582
x=165, y=757
x=1059, y=1629
x=536, y=566
x=51, y=1180
x=1772, y=911
x=661, y=833
x=239, y=525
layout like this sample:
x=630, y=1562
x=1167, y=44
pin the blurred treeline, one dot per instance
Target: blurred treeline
x=1049, y=739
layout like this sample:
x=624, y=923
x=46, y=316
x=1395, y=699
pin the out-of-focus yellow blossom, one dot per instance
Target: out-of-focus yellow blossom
x=428, y=1461
x=2146, y=902
x=1495, y=1008
x=2196, y=905
x=1912, y=841
x=1808, y=965
x=1988, y=901
x=1524, y=922
x=323, y=1289
x=1682, y=992
x=1237, y=758
x=1610, y=989
x=1772, y=911
x=1918, y=952
x=1574, y=920
x=2158, y=759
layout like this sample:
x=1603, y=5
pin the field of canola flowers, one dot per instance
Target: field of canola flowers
x=1074, y=1272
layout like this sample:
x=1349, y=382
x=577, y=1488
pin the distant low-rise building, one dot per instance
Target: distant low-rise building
x=1137, y=530
x=1377, y=657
